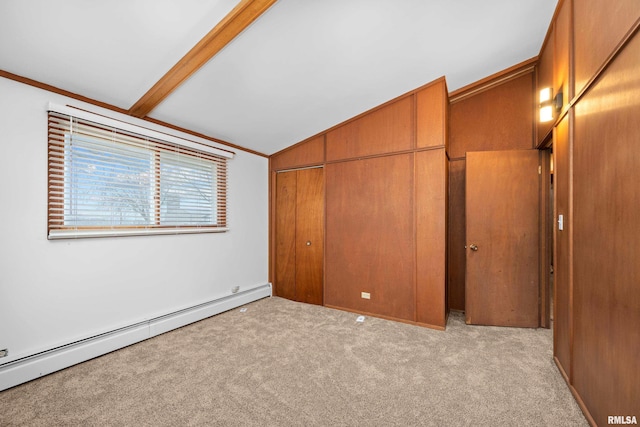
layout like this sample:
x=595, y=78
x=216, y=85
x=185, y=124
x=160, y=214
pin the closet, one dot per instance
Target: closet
x=374, y=188
x=299, y=235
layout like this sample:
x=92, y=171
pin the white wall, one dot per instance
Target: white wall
x=55, y=292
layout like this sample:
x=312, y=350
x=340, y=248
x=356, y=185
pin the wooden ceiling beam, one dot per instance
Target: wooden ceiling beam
x=222, y=34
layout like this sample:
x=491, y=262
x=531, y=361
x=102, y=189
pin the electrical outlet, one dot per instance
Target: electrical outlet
x=4, y=352
x=365, y=295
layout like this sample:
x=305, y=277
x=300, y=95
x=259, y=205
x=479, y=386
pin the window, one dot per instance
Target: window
x=109, y=181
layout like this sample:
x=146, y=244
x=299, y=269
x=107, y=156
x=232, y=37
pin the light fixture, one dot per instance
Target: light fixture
x=546, y=94
x=549, y=105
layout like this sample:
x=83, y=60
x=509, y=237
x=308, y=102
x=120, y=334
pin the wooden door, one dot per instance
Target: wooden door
x=502, y=213
x=300, y=235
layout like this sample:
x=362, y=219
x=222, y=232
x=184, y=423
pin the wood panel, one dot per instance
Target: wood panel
x=500, y=118
x=386, y=130
x=309, y=153
x=502, y=283
x=561, y=52
x=562, y=263
x=606, y=232
x=546, y=237
x=545, y=79
x=309, y=224
x=431, y=236
x=370, y=236
x=599, y=27
x=431, y=109
x=285, y=235
x=456, y=236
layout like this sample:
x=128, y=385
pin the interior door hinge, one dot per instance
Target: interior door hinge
x=539, y=170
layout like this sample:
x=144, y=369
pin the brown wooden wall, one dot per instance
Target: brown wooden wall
x=593, y=50
x=386, y=174
x=496, y=114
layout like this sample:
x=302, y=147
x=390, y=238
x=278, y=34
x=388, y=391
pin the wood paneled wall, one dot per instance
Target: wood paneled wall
x=385, y=130
x=386, y=174
x=496, y=114
x=370, y=239
x=593, y=48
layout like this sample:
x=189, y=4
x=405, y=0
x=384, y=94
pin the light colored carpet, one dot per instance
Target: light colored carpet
x=282, y=363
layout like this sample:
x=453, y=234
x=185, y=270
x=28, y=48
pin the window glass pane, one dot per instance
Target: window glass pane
x=187, y=190
x=107, y=183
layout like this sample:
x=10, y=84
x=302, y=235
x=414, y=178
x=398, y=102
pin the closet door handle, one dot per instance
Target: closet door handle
x=308, y=242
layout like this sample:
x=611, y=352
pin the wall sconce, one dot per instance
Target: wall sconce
x=549, y=105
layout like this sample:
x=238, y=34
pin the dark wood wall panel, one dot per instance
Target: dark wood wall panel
x=386, y=130
x=285, y=235
x=431, y=227
x=545, y=79
x=607, y=238
x=306, y=154
x=561, y=51
x=500, y=118
x=599, y=27
x=562, y=306
x=370, y=236
x=456, y=236
x=432, y=106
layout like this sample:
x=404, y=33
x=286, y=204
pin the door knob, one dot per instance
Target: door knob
x=473, y=247
x=308, y=242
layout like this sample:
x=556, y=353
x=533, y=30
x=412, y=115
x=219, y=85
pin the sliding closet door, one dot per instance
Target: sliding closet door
x=300, y=235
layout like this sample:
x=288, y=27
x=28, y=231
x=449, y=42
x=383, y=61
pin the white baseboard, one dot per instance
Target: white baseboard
x=32, y=367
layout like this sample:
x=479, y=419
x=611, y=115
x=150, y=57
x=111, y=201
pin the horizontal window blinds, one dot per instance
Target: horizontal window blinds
x=106, y=181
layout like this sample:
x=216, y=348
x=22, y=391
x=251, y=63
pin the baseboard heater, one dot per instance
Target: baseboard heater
x=49, y=361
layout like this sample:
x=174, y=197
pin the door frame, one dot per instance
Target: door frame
x=546, y=234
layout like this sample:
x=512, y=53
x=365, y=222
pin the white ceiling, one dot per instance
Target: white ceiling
x=302, y=67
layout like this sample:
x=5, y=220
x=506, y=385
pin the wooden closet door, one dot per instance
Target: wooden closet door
x=309, y=236
x=300, y=235
x=285, y=234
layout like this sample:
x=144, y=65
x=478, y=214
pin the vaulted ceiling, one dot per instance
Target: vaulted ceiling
x=300, y=67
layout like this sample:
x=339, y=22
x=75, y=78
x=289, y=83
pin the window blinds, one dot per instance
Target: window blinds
x=109, y=181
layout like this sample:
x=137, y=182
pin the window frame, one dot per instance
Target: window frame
x=157, y=145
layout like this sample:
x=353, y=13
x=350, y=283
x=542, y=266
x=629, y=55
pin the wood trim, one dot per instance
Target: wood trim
x=395, y=319
x=203, y=136
x=547, y=36
x=570, y=239
x=222, y=34
x=576, y=395
x=607, y=62
x=373, y=156
x=272, y=227
x=493, y=80
x=546, y=238
x=54, y=89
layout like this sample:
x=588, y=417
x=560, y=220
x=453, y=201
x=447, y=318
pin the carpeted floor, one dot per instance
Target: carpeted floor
x=282, y=363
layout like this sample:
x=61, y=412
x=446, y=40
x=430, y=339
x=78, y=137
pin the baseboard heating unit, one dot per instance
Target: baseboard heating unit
x=31, y=367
